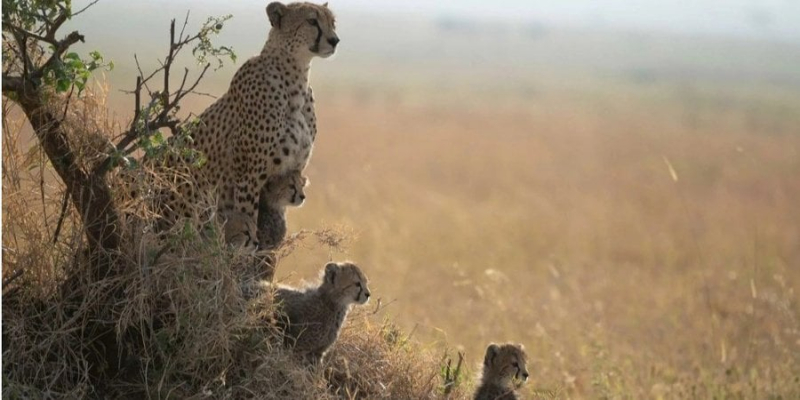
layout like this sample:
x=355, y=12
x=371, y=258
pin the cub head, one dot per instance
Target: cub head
x=304, y=28
x=345, y=282
x=286, y=190
x=504, y=364
x=240, y=230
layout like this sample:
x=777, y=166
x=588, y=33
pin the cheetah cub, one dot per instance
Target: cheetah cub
x=279, y=192
x=502, y=366
x=311, y=318
x=239, y=229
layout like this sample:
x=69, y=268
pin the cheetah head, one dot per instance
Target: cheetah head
x=504, y=364
x=346, y=283
x=286, y=190
x=309, y=29
x=240, y=230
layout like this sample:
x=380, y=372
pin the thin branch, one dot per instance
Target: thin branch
x=26, y=33
x=141, y=74
x=183, y=82
x=137, y=110
x=13, y=277
x=66, y=106
x=64, y=203
x=84, y=8
x=194, y=85
x=168, y=61
x=185, y=22
x=204, y=94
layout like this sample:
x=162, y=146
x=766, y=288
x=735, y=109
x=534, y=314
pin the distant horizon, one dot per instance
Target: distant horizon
x=771, y=20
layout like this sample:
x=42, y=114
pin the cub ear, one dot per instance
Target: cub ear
x=491, y=353
x=325, y=4
x=330, y=272
x=275, y=11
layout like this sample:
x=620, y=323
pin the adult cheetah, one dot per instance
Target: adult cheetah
x=265, y=124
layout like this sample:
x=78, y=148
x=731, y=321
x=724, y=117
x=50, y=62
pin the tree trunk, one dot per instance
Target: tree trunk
x=89, y=191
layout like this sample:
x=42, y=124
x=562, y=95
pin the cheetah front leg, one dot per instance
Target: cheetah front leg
x=248, y=188
x=244, y=179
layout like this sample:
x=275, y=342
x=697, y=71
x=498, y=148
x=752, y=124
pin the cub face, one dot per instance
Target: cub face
x=312, y=25
x=240, y=230
x=285, y=190
x=504, y=364
x=346, y=283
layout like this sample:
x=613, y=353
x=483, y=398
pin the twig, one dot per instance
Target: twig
x=64, y=203
x=13, y=277
x=450, y=380
x=168, y=61
x=204, y=94
x=66, y=105
x=26, y=33
x=380, y=306
x=185, y=22
x=84, y=8
x=141, y=74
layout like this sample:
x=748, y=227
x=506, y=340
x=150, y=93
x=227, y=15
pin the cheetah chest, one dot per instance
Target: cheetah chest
x=297, y=136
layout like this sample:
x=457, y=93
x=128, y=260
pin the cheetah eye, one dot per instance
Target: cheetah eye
x=516, y=365
x=313, y=21
x=358, y=284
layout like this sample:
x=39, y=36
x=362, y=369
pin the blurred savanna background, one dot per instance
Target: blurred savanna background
x=613, y=184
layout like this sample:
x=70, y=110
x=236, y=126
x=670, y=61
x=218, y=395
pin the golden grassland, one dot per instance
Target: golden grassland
x=640, y=241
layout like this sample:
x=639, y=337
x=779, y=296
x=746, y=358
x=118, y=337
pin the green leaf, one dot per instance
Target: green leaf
x=63, y=85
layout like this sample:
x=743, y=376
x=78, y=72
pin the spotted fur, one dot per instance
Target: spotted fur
x=240, y=230
x=311, y=318
x=265, y=124
x=280, y=192
x=502, y=366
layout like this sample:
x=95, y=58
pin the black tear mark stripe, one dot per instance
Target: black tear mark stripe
x=319, y=36
x=360, y=290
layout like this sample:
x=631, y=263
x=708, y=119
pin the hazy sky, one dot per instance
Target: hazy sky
x=761, y=18
x=775, y=19
x=771, y=18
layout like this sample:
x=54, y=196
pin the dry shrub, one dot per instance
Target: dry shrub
x=378, y=361
x=174, y=311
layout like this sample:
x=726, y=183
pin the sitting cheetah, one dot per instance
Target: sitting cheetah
x=311, y=318
x=502, y=365
x=279, y=192
x=265, y=124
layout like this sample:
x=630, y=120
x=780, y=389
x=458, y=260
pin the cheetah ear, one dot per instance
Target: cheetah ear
x=491, y=353
x=330, y=272
x=276, y=11
x=325, y=4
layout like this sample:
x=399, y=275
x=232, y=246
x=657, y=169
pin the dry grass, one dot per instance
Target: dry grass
x=554, y=221
x=176, y=307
